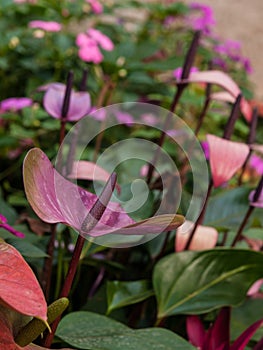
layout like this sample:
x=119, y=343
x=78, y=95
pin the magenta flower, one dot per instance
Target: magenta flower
x=48, y=26
x=256, y=163
x=226, y=158
x=96, y=6
x=15, y=104
x=217, y=337
x=3, y=224
x=89, y=44
x=201, y=17
x=79, y=105
x=55, y=199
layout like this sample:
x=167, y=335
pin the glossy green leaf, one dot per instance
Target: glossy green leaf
x=87, y=330
x=197, y=282
x=227, y=209
x=121, y=294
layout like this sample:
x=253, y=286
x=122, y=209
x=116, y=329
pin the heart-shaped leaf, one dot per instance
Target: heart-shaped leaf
x=121, y=294
x=87, y=330
x=197, y=282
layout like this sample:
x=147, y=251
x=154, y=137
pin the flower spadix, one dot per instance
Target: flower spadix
x=55, y=199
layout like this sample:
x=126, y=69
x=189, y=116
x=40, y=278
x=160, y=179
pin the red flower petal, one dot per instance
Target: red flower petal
x=19, y=288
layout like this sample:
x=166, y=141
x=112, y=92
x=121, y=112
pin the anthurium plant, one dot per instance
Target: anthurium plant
x=131, y=179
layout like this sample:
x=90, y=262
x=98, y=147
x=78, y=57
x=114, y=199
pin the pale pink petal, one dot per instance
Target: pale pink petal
x=79, y=106
x=223, y=96
x=226, y=158
x=55, y=199
x=224, y=81
x=89, y=171
x=103, y=40
x=205, y=237
x=257, y=148
x=255, y=287
x=49, y=26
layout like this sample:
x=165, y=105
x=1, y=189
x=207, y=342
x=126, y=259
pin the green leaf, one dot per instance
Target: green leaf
x=198, y=282
x=27, y=249
x=87, y=330
x=227, y=209
x=244, y=316
x=121, y=294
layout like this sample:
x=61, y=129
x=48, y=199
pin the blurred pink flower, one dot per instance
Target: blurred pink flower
x=226, y=158
x=48, y=26
x=96, y=6
x=232, y=49
x=53, y=100
x=103, y=40
x=89, y=43
x=201, y=17
x=15, y=104
x=4, y=225
x=256, y=163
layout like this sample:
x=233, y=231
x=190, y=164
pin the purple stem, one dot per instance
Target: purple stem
x=250, y=141
x=189, y=60
x=229, y=128
x=200, y=217
x=94, y=216
x=249, y=212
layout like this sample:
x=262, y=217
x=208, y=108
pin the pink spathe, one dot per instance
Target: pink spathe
x=226, y=158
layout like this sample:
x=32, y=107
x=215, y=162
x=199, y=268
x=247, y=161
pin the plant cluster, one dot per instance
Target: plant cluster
x=79, y=267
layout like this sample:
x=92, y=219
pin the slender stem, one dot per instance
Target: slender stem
x=66, y=286
x=242, y=226
x=200, y=217
x=83, y=83
x=48, y=263
x=243, y=169
x=250, y=141
x=188, y=63
x=249, y=212
x=204, y=109
x=229, y=128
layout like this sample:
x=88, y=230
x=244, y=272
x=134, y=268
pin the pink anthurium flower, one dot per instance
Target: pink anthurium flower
x=4, y=224
x=85, y=170
x=15, y=104
x=217, y=337
x=55, y=199
x=48, y=26
x=79, y=105
x=223, y=80
x=205, y=237
x=226, y=158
